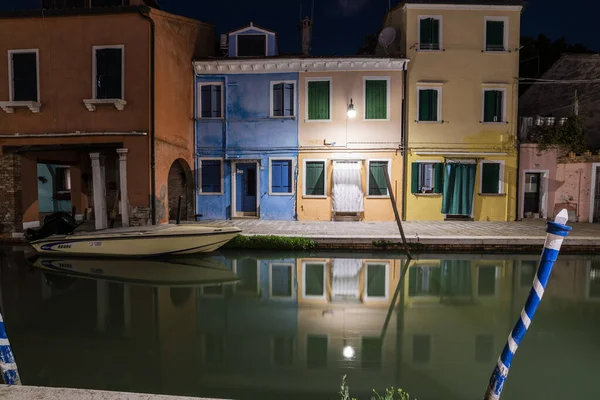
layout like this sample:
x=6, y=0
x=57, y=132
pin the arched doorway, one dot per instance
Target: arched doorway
x=181, y=184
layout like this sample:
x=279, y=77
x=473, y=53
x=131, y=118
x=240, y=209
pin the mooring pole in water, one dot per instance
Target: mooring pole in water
x=179, y=210
x=395, y=207
x=8, y=366
x=557, y=231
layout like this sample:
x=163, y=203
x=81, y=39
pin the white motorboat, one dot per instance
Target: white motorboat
x=143, y=241
x=148, y=272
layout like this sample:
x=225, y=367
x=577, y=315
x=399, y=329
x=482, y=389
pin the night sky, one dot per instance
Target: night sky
x=340, y=25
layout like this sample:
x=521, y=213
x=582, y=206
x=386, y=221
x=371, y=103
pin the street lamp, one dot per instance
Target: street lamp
x=351, y=110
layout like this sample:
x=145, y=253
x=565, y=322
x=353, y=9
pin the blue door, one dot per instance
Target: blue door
x=245, y=189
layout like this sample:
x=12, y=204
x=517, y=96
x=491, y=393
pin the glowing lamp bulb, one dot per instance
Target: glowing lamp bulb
x=348, y=352
x=351, y=110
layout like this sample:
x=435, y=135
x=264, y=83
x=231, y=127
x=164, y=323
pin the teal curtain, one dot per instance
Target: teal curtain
x=318, y=100
x=459, y=186
x=456, y=278
x=376, y=93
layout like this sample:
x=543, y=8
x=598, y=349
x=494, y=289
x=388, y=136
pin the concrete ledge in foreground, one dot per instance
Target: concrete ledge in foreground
x=47, y=393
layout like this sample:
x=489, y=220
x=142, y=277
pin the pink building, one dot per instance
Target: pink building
x=551, y=180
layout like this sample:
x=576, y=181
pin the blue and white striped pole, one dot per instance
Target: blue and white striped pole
x=8, y=366
x=557, y=231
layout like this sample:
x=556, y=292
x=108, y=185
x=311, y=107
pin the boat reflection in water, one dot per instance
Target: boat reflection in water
x=291, y=327
x=153, y=272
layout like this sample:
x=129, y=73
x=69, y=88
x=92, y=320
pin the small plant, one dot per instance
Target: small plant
x=390, y=393
x=271, y=243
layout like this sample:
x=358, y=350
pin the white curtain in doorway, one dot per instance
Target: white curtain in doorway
x=346, y=277
x=347, y=193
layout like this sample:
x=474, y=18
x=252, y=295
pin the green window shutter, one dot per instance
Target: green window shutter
x=315, y=178
x=438, y=178
x=318, y=100
x=425, y=33
x=490, y=178
x=376, y=99
x=489, y=106
x=498, y=106
x=494, y=36
x=377, y=181
x=414, y=179
x=435, y=34
x=428, y=104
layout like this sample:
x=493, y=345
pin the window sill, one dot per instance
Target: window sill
x=9, y=106
x=376, y=120
x=282, y=117
x=430, y=122
x=317, y=120
x=492, y=194
x=91, y=104
x=313, y=197
x=494, y=123
x=210, y=194
x=430, y=50
x=281, y=194
x=495, y=51
x=377, y=197
x=428, y=194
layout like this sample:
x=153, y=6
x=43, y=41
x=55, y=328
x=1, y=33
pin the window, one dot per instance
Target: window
x=251, y=45
x=283, y=99
x=23, y=75
x=376, y=98
x=377, y=281
x=314, y=178
x=594, y=280
x=430, y=104
x=281, y=176
x=108, y=72
x=371, y=353
x=282, y=280
x=493, y=105
x=427, y=177
x=424, y=281
x=319, y=100
x=211, y=176
x=484, y=346
x=211, y=100
x=496, y=33
x=491, y=178
x=314, y=280
x=377, y=184
x=62, y=179
x=421, y=348
x=283, y=351
x=430, y=33
x=316, y=351
x=527, y=272
x=248, y=272
x=486, y=281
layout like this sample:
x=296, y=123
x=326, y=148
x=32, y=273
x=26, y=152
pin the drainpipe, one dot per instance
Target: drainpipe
x=144, y=14
x=518, y=191
x=404, y=134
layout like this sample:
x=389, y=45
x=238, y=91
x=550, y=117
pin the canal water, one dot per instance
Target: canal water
x=272, y=326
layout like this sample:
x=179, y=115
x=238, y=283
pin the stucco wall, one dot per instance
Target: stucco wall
x=178, y=41
x=574, y=182
x=65, y=79
x=247, y=132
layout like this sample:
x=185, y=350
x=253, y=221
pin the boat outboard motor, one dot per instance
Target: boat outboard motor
x=58, y=223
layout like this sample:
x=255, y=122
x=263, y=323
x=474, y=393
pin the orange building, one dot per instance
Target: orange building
x=96, y=111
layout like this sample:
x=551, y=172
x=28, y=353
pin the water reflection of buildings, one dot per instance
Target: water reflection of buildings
x=282, y=329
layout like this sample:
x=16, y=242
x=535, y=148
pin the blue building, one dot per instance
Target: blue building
x=246, y=129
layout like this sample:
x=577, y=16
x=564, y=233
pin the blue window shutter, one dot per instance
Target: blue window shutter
x=276, y=176
x=278, y=97
x=288, y=100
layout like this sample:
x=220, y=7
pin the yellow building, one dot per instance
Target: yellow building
x=349, y=130
x=462, y=98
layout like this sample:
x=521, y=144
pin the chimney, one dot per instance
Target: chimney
x=306, y=35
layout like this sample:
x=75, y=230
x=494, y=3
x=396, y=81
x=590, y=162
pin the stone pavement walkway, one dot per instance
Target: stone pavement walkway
x=443, y=234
